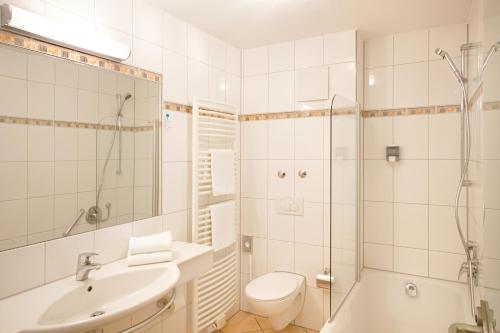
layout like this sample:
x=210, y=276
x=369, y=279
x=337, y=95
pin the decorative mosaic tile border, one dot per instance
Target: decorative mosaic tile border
x=70, y=124
x=297, y=114
x=411, y=111
x=35, y=45
x=177, y=107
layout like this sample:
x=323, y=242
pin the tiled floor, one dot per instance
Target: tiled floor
x=244, y=322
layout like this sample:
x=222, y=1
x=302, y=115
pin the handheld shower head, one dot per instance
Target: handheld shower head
x=493, y=49
x=127, y=96
x=444, y=55
x=122, y=99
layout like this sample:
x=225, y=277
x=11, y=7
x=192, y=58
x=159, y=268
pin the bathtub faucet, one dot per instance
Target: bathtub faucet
x=485, y=321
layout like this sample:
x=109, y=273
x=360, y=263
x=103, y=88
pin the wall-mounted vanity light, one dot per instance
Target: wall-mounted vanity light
x=26, y=23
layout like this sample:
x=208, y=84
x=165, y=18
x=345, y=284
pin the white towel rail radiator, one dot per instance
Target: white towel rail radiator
x=215, y=126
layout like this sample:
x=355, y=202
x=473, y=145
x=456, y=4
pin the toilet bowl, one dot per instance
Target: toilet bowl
x=278, y=296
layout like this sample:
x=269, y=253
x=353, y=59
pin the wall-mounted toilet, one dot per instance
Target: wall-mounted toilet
x=278, y=296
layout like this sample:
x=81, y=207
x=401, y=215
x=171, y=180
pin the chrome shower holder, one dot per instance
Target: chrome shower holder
x=94, y=214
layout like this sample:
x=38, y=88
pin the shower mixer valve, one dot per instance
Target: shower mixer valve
x=94, y=214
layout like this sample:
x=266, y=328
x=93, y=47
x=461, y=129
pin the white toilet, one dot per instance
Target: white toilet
x=278, y=296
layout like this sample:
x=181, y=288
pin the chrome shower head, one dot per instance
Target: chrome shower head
x=127, y=96
x=444, y=55
x=493, y=49
x=123, y=99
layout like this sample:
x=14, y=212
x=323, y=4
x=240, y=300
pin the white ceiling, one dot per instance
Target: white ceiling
x=250, y=23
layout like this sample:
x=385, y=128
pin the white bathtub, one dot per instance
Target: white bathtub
x=379, y=304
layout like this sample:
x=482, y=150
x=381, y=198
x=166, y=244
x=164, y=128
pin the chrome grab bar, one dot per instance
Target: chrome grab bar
x=66, y=233
x=163, y=304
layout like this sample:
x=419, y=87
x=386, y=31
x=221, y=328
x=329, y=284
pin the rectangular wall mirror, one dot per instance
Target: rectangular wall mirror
x=79, y=143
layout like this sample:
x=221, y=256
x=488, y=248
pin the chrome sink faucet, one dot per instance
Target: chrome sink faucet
x=85, y=265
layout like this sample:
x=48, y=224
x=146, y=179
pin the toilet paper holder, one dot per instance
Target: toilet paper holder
x=392, y=153
x=325, y=280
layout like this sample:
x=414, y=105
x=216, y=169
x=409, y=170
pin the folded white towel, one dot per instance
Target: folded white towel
x=222, y=167
x=152, y=243
x=223, y=217
x=149, y=258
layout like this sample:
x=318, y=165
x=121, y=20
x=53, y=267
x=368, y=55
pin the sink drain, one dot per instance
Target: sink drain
x=97, y=314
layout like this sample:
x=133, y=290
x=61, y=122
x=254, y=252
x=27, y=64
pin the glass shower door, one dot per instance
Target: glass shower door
x=342, y=124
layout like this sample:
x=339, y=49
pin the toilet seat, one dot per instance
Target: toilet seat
x=272, y=287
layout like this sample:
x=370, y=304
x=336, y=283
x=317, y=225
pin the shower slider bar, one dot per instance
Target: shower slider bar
x=66, y=233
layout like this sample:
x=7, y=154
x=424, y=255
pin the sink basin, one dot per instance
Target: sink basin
x=109, y=294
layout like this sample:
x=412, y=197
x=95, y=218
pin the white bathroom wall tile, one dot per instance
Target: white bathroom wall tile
x=308, y=262
x=65, y=211
x=254, y=179
x=176, y=138
x=342, y=84
x=410, y=261
x=217, y=53
x=105, y=13
x=491, y=148
x=62, y=255
x=379, y=52
x=449, y=38
x=217, y=85
x=312, y=312
x=254, y=139
x=88, y=105
x=112, y=243
x=492, y=186
x=309, y=52
x=254, y=217
x=311, y=186
x=147, y=22
x=41, y=69
x=66, y=104
x=444, y=136
x=13, y=218
x=175, y=77
x=281, y=98
x=309, y=227
x=233, y=91
x=86, y=176
x=281, y=140
x=177, y=224
x=280, y=256
x=280, y=187
x=411, y=47
x=443, y=181
x=411, y=83
x=36, y=6
x=66, y=74
x=13, y=97
x=40, y=100
x=40, y=179
x=340, y=47
x=443, y=235
x=255, y=94
x=174, y=34
x=198, y=80
x=492, y=273
x=13, y=177
x=66, y=139
x=233, y=59
x=309, y=138
x=411, y=133
x=444, y=265
x=280, y=226
x=411, y=179
x=492, y=229
x=22, y=269
x=175, y=183
x=281, y=57
x=255, y=61
x=411, y=225
x=311, y=84
x=378, y=256
x=259, y=258
x=378, y=134
x=13, y=142
x=147, y=55
x=13, y=63
x=378, y=222
x=444, y=88
x=378, y=181
x=378, y=91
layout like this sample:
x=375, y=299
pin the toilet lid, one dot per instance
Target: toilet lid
x=272, y=286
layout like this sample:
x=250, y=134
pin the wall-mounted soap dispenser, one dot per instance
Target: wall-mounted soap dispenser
x=392, y=153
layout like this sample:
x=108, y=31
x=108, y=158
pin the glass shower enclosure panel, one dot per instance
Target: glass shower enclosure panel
x=342, y=124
